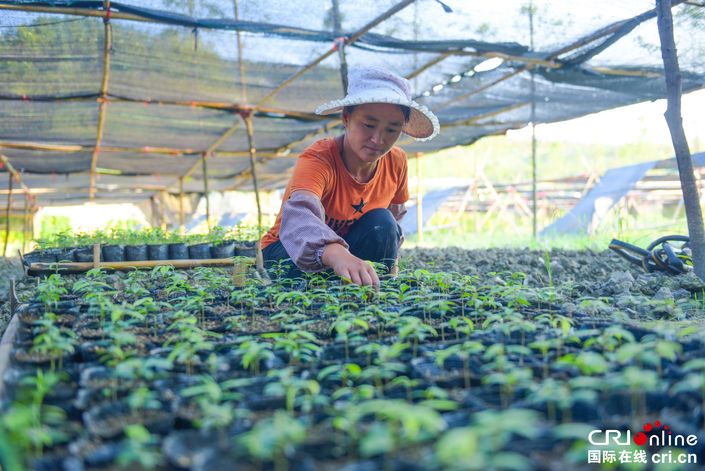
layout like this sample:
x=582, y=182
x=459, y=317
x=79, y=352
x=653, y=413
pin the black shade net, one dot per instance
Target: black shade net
x=183, y=75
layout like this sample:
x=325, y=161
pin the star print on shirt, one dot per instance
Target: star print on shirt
x=358, y=207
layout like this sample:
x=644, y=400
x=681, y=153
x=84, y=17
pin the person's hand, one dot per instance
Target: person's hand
x=346, y=265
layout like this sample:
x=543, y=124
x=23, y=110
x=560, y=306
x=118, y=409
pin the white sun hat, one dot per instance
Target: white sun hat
x=377, y=85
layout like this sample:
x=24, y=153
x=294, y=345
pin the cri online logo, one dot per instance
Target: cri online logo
x=649, y=435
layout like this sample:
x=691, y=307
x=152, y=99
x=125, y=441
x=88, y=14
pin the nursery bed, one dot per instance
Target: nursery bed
x=487, y=359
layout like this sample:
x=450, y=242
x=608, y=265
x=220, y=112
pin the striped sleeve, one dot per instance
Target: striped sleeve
x=303, y=233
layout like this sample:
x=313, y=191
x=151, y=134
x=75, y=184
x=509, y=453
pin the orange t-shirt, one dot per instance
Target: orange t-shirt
x=320, y=170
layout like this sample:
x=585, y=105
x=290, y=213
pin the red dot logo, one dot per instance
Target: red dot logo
x=640, y=439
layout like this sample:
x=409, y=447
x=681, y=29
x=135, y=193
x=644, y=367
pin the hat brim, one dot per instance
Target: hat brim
x=422, y=124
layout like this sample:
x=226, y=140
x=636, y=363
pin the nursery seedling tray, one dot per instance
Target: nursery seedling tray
x=240, y=264
x=77, y=267
x=8, y=339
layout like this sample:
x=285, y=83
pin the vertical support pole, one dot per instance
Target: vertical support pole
x=534, y=217
x=240, y=61
x=162, y=210
x=182, y=226
x=107, y=46
x=205, y=191
x=153, y=204
x=253, y=164
x=25, y=223
x=419, y=199
x=340, y=44
x=11, y=179
x=33, y=214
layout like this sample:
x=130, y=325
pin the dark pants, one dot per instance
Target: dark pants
x=374, y=237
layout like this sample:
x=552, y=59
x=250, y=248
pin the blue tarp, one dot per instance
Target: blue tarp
x=612, y=187
x=431, y=202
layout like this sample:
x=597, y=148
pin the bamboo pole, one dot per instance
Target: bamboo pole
x=211, y=105
x=76, y=12
x=419, y=199
x=270, y=152
x=182, y=226
x=691, y=197
x=10, y=179
x=82, y=189
x=41, y=146
x=107, y=46
x=205, y=192
x=253, y=165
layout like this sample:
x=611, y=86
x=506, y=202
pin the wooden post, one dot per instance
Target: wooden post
x=419, y=199
x=205, y=190
x=162, y=210
x=11, y=179
x=96, y=255
x=253, y=165
x=182, y=226
x=693, y=212
x=107, y=46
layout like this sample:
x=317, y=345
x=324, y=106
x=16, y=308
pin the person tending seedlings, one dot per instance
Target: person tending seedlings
x=343, y=202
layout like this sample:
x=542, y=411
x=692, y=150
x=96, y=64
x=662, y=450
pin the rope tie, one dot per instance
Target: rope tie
x=339, y=42
x=245, y=112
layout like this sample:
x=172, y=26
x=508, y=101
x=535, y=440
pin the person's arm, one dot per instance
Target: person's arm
x=313, y=246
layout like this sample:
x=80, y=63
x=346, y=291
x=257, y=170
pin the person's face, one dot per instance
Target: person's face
x=372, y=129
